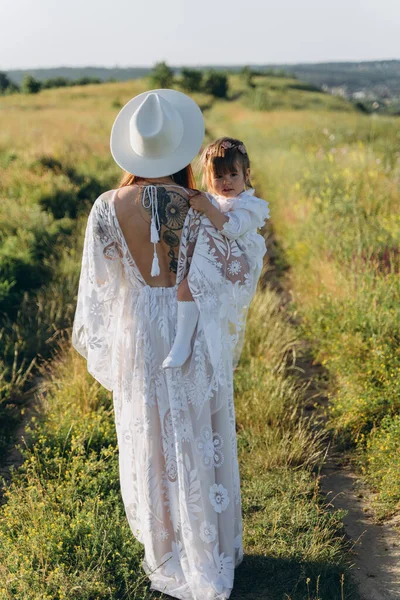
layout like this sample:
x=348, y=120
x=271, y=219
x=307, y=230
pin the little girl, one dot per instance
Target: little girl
x=238, y=215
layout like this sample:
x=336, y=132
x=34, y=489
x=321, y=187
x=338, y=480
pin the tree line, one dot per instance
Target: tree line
x=191, y=80
x=31, y=85
x=209, y=81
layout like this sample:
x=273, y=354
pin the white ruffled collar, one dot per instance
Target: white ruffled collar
x=249, y=192
x=229, y=201
x=247, y=200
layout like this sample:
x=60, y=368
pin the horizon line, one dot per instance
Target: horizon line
x=202, y=65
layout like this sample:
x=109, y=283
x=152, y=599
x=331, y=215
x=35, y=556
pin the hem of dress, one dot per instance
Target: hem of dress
x=186, y=595
x=183, y=591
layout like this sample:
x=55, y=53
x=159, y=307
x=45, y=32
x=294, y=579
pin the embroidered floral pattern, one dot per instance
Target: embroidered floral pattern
x=162, y=534
x=96, y=311
x=234, y=267
x=173, y=560
x=112, y=251
x=209, y=445
x=219, y=570
x=95, y=342
x=219, y=497
x=127, y=437
x=184, y=429
x=208, y=532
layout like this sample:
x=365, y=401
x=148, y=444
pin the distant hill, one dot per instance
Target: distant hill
x=380, y=78
x=74, y=73
x=370, y=79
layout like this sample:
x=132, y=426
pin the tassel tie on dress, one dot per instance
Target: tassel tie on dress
x=151, y=191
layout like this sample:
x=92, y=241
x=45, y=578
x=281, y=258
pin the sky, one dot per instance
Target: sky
x=127, y=33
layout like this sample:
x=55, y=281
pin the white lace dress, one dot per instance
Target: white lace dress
x=176, y=433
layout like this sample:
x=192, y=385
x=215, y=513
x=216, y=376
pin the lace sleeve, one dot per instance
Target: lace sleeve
x=248, y=214
x=98, y=297
x=240, y=222
x=221, y=282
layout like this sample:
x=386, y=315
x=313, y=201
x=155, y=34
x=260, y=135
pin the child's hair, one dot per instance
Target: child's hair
x=224, y=156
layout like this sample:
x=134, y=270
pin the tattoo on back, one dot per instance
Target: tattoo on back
x=172, y=210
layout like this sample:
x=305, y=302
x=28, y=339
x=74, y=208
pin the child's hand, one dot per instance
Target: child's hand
x=200, y=202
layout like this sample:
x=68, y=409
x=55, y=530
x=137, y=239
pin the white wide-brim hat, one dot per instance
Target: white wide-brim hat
x=157, y=133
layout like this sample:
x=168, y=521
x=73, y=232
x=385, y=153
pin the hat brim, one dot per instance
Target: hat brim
x=193, y=135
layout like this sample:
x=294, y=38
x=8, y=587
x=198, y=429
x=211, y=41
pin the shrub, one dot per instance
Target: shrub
x=192, y=80
x=56, y=82
x=162, y=75
x=216, y=84
x=247, y=75
x=86, y=81
x=6, y=85
x=30, y=85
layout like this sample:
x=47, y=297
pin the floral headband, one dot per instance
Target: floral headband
x=227, y=144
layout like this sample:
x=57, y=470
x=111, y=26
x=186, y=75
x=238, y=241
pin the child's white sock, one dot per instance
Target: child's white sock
x=187, y=318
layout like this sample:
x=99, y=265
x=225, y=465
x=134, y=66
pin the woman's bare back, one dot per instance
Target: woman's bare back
x=134, y=221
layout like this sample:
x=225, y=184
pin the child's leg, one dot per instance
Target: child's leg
x=187, y=318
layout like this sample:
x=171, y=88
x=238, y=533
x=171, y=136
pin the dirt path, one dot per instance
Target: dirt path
x=375, y=545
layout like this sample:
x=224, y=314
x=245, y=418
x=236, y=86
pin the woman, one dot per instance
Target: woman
x=176, y=427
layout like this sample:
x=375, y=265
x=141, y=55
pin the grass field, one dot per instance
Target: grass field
x=63, y=531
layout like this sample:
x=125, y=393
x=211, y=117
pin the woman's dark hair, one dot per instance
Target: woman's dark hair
x=184, y=177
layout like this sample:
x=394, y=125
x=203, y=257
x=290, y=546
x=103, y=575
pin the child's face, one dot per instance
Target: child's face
x=230, y=184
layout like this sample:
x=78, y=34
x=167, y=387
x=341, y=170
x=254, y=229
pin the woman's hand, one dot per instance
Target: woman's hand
x=200, y=202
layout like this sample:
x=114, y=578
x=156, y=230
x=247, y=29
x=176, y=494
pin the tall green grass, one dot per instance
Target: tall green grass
x=276, y=93
x=332, y=180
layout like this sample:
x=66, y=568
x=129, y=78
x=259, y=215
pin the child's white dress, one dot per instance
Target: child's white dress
x=246, y=213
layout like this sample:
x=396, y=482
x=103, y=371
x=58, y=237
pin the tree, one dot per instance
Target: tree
x=5, y=82
x=192, y=80
x=30, y=85
x=216, y=84
x=162, y=75
x=86, y=80
x=55, y=82
x=247, y=75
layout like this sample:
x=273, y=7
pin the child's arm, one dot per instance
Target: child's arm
x=239, y=221
x=206, y=204
x=216, y=216
x=235, y=223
